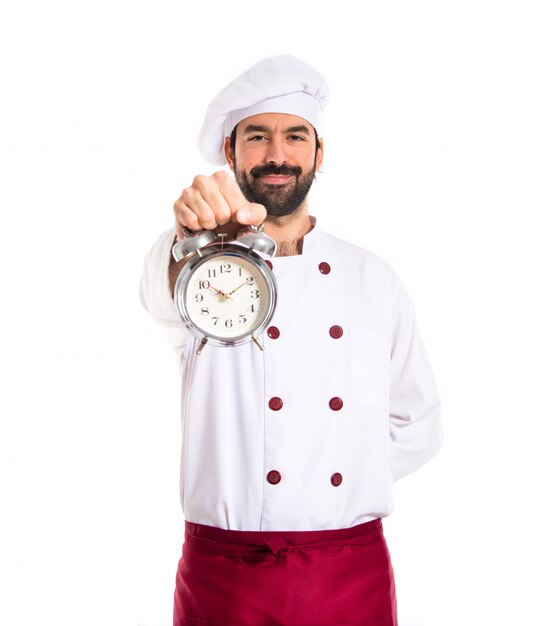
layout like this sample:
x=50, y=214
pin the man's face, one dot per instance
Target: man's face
x=275, y=160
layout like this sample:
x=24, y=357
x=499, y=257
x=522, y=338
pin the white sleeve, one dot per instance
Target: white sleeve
x=414, y=409
x=155, y=291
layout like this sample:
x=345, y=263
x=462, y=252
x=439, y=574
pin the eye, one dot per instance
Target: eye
x=256, y=137
x=296, y=138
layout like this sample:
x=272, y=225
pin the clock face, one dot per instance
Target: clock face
x=227, y=296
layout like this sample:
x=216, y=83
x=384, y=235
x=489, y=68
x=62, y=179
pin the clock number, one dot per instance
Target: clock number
x=251, y=308
x=242, y=319
x=205, y=310
x=229, y=323
x=225, y=267
x=254, y=293
x=199, y=297
x=216, y=319
x=211, y=273
x=204, y=284
x=250, y=280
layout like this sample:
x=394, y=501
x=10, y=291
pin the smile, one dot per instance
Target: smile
x=275, y=179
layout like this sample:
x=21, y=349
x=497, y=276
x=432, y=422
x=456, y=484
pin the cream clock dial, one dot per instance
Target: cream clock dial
x=227, y=297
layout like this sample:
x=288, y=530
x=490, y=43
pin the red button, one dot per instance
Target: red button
x=275, y=403
x=336, y=404
x=274, y=477
x=273, y=332
x=269, y=263
x=336, y=479
x=336, y=331
x=324, y=268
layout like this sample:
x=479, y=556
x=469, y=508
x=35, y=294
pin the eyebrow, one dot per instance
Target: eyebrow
x=298, y=129
x=254, y=128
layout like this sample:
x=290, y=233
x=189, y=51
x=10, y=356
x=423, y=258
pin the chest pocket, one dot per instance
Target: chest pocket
x=370, y=363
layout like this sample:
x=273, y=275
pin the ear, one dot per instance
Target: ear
x=319, y=155
x=229, y=154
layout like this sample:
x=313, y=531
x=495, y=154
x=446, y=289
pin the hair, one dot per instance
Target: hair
x=233, y=140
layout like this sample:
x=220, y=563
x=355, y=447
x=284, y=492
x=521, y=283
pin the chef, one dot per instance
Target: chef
x=289, y=454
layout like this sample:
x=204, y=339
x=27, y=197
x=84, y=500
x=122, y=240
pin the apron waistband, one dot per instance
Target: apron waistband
x=256, y=545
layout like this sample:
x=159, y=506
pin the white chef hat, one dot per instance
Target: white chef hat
x=279, y=84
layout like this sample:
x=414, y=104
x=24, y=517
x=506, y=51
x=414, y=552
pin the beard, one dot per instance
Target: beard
x=279, y=200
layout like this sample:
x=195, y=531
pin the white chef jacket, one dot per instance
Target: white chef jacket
x=336, y=459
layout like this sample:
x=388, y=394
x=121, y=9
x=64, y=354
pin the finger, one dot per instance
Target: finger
x=251, y=213
x=182, y=221
x=209, y=189
x=218, y=205
x=230, y=190
x=242, y=211
x=179, y=233
x=189, y=219
x=191, y=200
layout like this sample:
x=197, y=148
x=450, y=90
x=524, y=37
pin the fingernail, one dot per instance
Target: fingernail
x=243, y=215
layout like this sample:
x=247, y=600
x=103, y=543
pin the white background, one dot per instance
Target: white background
x=437, y=156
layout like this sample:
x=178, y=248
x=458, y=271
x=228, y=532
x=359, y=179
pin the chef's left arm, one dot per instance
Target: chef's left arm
x=414, y=404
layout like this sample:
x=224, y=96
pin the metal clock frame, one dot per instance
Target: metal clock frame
x=183, y=281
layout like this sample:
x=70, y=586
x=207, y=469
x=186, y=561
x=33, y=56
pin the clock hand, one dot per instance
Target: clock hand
x=242, y=285
x=227, y=296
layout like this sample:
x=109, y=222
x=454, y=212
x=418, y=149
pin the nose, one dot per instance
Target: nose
x=275, y=152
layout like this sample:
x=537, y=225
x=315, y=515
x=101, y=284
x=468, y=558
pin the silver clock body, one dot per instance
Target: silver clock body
x=225, y=294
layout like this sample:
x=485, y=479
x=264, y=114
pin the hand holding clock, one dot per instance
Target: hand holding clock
x=213, y=201
x=216, y=203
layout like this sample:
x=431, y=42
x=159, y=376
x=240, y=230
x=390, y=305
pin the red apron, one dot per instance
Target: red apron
x=317, y=578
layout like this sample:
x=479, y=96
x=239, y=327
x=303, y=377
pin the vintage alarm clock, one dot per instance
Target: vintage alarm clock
x=225, y=292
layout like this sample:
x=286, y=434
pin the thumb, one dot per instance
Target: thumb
x=251, y=213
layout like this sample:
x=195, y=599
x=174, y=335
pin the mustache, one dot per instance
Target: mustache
x=277, y=170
